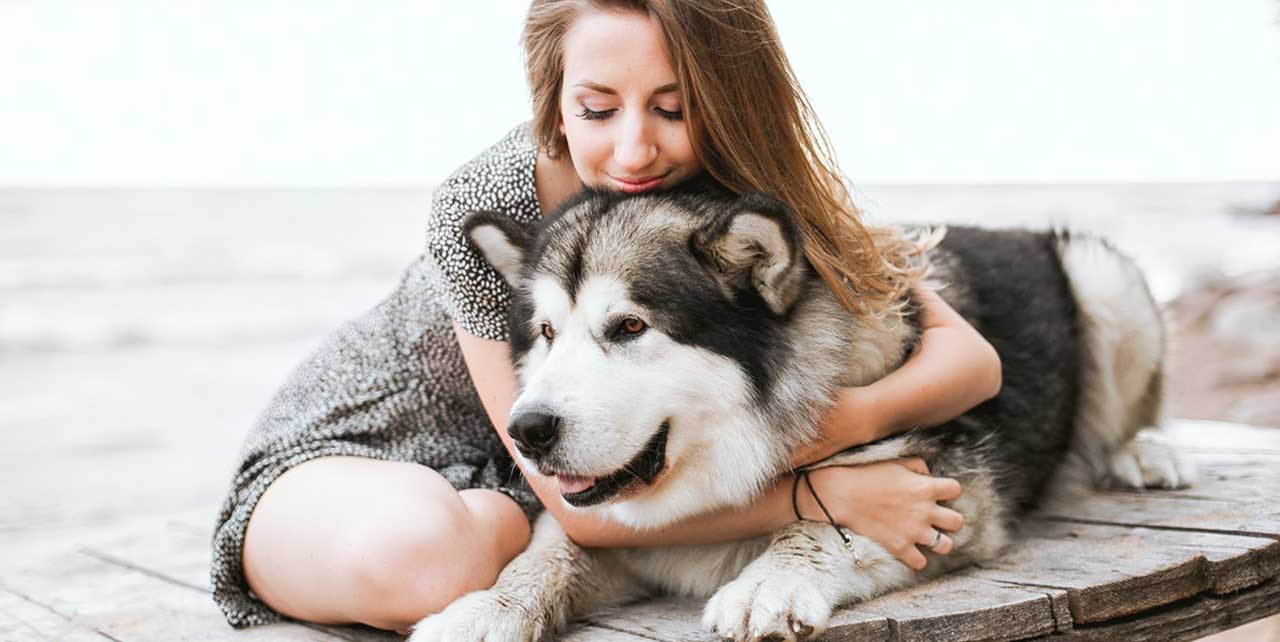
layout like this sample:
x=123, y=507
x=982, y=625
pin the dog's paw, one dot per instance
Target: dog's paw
x=479, y=617
x=776, y=607
x=1148, y=462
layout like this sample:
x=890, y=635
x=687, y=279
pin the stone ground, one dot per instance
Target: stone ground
x=1226, y=350
x=1226, y=366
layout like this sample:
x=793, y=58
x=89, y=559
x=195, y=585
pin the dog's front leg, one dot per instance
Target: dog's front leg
x=789, y=592
x=551, y=583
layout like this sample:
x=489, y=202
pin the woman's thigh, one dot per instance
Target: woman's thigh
x=349, y=539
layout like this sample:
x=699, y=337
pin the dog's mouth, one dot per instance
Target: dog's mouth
x=644, y=467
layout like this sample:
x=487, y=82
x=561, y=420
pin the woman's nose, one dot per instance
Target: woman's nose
x=635, y=147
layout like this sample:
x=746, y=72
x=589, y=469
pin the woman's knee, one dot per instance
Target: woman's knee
x=376, y=542
x=502, y=520
x=418, y=558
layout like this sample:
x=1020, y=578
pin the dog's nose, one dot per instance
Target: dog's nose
x=534, y=433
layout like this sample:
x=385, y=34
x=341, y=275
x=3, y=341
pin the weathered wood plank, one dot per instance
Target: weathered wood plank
x=1235, y=494
x=1256, y=518
x=951, y=608
x=22, y=620
x=1189, y=620
x=135, y=607
x=164, y=548
x=175, y=555
x=1229, y=477
x=958, y=608
x=128, y=601
x=665, y=618
x=1111, y=571
x=27, y=547
x=678, y=619
x=588, y=633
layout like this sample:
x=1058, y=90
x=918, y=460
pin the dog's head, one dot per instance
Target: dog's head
x=644, y=331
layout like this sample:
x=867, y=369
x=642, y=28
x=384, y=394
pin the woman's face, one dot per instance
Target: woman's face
x=620, y=106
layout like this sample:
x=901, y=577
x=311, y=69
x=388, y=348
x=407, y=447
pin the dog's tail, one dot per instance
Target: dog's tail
x=1123, y=357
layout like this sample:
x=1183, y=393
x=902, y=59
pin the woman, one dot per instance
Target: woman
x=376, y=488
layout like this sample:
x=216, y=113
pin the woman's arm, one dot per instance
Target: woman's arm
x=887, y=502
x=951, y=370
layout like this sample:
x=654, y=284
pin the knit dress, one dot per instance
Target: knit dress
x=392, y=384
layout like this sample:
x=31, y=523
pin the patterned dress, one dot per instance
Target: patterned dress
x=392, y=384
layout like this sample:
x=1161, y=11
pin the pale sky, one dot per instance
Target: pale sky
x=325, y=93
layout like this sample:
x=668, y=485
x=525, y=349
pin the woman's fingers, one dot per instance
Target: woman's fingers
x=916, y=464
x=945, y=545
x=945, y=488
x=947, y=519
x=913, y=558
x=936, y=541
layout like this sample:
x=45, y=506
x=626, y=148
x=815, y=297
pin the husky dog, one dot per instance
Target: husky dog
x=673, y=348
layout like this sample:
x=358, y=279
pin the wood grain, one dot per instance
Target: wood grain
x=1190, y=620
x=960, y=609
x=1167, y=565
x=1113, y=571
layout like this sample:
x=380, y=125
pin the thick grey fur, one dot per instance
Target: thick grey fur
x=1079, y=337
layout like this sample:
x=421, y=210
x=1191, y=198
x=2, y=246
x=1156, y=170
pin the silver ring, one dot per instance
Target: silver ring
x=937, y=539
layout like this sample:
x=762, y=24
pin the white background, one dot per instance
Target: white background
x=327, y=93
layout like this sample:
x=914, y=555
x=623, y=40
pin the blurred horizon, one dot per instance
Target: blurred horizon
x=98, y=270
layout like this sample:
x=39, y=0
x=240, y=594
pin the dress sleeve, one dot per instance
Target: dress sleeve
x=472, y=292
x=370, y=376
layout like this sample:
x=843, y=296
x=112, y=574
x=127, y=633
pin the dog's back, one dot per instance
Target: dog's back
x=1011, y=286
x=1081, y=344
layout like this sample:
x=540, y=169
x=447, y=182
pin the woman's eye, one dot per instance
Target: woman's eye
x=548, y=332
x=633, y=326
x=590, y=114
x=669, y=115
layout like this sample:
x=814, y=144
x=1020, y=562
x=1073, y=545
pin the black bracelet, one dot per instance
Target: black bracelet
x=795, y=506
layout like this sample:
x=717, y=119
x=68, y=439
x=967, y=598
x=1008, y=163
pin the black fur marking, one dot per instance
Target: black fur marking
x=1022, y=301
x=691, y=310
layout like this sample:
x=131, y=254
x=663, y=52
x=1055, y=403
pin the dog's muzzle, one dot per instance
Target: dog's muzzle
x=644, y=467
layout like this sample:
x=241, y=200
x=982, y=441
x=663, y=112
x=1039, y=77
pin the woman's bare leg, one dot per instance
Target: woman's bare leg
x=348, y=539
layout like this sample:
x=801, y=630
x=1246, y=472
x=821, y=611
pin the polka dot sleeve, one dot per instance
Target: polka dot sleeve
x=500, y=179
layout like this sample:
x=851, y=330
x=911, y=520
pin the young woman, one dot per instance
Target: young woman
x=378, y=486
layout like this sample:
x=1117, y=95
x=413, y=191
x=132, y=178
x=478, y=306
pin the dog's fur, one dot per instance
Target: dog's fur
x=742, y=350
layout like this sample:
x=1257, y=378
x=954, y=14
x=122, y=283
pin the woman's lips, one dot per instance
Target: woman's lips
x=635, y=186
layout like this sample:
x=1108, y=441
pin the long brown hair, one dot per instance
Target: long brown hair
x=756, y=132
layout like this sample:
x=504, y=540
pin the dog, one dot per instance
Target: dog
x=673, y=348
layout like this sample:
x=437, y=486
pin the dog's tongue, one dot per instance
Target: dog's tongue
x=573, y=484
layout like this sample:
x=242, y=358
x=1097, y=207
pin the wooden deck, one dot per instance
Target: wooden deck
x=1122, y=566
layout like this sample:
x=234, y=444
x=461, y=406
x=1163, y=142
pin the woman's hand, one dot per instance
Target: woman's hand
x=894, y=503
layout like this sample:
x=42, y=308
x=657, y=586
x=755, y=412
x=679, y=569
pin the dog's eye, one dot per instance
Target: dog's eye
x=548, y=332
x=632, y=325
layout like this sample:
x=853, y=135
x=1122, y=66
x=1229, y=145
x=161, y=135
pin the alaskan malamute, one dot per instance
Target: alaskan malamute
x=672, y=348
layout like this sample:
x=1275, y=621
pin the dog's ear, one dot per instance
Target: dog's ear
x=500, y=240
x=755, y=243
